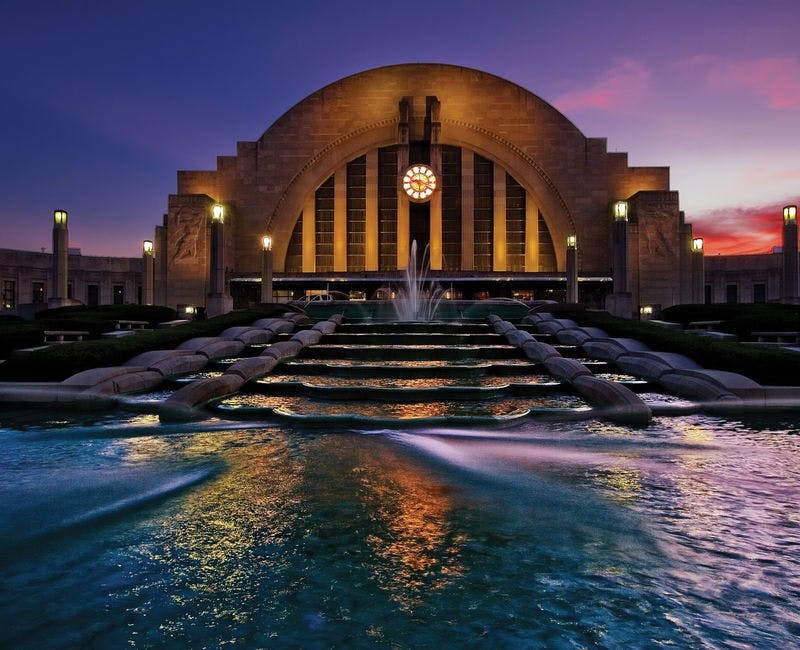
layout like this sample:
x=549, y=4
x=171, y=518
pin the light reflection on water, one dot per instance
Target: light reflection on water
x=403, y=382
x=400, y=410
x=575, y=534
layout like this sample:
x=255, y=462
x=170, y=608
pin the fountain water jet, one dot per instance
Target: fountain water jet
x=418, y=299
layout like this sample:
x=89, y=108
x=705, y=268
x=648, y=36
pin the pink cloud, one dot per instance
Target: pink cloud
x=740, y=231
x=776, y=79
x=616, y=89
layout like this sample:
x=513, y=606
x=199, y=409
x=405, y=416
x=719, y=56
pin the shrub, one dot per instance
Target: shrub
x=58, y=362
x=767, y=366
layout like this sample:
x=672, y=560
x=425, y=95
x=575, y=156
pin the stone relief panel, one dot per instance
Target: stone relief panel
x=184, y=234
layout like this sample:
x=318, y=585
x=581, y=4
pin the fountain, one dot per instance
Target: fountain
x=419, y=299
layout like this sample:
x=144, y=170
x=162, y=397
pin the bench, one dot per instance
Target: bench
x=704, y=324
x=665, y=324
x=64, y=336
x=131, y=324
x=173, y=323
x=777, y=337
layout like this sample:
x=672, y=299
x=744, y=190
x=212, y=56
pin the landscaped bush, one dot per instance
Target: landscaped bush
x=58, y=362
x=109, y=313
x=764, y=365
x=741, y=320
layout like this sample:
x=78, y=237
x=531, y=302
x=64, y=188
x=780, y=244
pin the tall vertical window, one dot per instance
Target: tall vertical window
x=451, y=208
x=37, y=292
x=356, y=214
x=119, y=294
x=387, y=208
x=9, y=294
x=547, y=251
x=515, y=225
x=759, y=292
x=92, y=295
x=294, y=252
x=731, y=294
x=323, y=220
x=484, y=213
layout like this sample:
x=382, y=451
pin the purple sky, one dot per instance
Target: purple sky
x=102, y=102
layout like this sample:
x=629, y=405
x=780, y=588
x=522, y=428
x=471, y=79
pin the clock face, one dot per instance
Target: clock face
x=419, y=183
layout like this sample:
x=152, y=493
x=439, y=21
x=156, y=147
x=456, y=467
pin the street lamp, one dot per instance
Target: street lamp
x=572, y=268
x=791, y=283
x=266, y=269
x=60, y=217
x=697, y=245
x=621, y=210
x=218, y=213
x=147, y=275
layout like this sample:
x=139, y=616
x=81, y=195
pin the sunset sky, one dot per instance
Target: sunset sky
x=102, y=102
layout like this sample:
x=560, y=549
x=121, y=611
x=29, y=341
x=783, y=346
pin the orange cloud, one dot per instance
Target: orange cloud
x=616, y=89
x=740, y=231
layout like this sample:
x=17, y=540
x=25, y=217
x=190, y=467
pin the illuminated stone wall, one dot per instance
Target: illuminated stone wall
x=567, y=178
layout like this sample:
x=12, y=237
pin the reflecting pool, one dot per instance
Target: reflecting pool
x=120, y=532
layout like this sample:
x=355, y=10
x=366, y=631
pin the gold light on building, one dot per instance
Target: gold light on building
x=60, y=217
x=572, y=241
x=218, y=213
x=697, y=245
x=621, y=210
x=790, y=213
x=266, y=242
x=147, y=246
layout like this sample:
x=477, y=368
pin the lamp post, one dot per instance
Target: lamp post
x=219, y=301
x=620, y=247
x=698, y=271
x=147, y=274
x=266, y=269
x=572, y=268
x=60, y=261
x=790, y=279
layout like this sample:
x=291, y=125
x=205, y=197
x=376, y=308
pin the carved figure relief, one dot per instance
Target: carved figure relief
x=184, y=235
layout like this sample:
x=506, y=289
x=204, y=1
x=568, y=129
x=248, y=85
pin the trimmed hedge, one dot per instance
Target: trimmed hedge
x=58, y=362
x=741, y=320
x=767, y=366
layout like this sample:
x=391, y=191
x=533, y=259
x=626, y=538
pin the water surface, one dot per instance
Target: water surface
x=119, y=532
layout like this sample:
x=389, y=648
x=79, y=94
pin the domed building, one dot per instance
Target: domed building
x=494, y=182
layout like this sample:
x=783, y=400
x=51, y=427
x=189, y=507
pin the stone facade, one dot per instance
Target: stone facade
x=569, y=181
x=744, y=278
x=26, y=280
